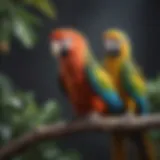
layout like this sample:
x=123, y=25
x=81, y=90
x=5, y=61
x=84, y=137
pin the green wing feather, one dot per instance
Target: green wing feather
x=101, y=83
x=134, y=85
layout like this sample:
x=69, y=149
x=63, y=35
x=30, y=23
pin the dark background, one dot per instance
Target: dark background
x=36, y=70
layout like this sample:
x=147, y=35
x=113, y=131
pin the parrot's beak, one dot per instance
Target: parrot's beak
x=112, y=48
x=56, y=48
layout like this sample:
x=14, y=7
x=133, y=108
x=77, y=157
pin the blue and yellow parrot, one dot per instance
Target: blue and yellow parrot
x=131, y=86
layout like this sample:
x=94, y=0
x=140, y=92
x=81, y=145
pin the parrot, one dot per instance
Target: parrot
x=130, y=84
x=81, y=78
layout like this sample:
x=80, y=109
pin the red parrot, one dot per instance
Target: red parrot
x=87, y=86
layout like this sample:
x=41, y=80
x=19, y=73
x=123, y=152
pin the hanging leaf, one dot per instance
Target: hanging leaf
x=5, y=29
x=18, y=21
x=29, y=17
x=5, y=34
x=24, y=32
x=3, y=6
x=45, y=6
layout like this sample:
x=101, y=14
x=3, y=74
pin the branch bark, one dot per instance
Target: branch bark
x=60, y=129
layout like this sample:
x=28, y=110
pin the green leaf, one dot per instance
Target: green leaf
x=73, y=154
x=5, y=83
x=19, y=116
x=6, y=89
x=52, y=153
x=3, y=5
x=153, y=94
x=31, y=111
x=45, y=6
x=5, y=30
x=24, y=32
x=29, y=17
x=29, y=98
x=155, y=135
x=5, y=132
x=49, y=113
x=14, y=103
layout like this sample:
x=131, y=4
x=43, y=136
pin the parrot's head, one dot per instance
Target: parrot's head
x=116, y=44
x=68, y=45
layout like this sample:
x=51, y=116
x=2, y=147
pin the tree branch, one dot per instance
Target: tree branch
x=91, y=124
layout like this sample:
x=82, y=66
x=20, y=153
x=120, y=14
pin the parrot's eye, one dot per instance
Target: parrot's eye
x=112, y=44
x=112, y=47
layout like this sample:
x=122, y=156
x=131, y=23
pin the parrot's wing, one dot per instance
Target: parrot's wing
x=134, y=85
x=101, y=83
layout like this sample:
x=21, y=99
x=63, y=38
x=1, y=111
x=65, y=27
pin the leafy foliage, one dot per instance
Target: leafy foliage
x=16, y=20
x=154, y=97
x=154, y=94
x=19, y=113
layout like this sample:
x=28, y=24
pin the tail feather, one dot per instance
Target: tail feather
x=118, y=148
x=144, y=146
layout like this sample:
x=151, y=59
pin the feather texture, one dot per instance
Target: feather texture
x=134, y=86
x=102, y=84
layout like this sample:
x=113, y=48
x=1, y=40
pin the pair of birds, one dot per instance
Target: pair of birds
x=113, y=87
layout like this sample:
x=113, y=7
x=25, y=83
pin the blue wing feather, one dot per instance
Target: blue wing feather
x=104, y=88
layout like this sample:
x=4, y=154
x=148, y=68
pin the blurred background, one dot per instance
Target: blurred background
x=28, y=73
